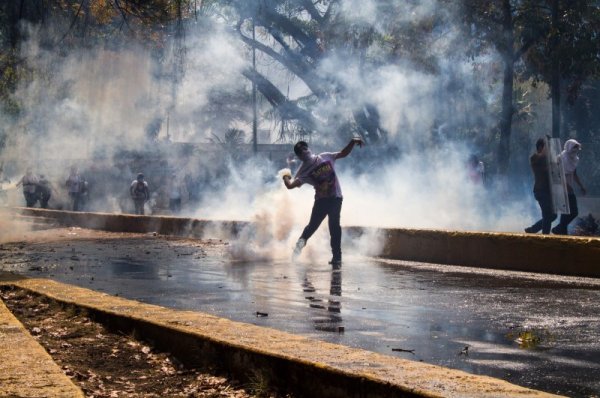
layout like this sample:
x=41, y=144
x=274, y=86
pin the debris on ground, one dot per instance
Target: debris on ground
x=105, y=364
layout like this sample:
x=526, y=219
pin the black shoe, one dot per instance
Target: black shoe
x=558, y=231
x=529, y=230
x=336, y=263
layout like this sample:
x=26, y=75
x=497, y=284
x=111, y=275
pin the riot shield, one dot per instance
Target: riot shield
x=558, y=182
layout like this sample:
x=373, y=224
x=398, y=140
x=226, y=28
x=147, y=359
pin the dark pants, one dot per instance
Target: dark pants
x=76, y=200
x=139, y=206
x=30, y=198
x=545, y=201
x=175, y=205
x=44, y=199
x=331, y=208
x=565, y=219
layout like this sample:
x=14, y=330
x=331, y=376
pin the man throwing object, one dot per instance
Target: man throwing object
x=319, y=171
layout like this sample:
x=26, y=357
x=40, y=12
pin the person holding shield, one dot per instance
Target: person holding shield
x=569, y=158
x=541, y=188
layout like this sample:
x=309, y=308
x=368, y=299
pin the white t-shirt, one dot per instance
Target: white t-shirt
x=319, y=171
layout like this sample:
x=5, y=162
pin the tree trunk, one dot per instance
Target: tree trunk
x=14, y=13
x=507, y=90
x=555, y=77
x=287, y=109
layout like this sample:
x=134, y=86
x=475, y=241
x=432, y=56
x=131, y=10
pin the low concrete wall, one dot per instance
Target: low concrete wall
x=163, y=225
x=563, y=255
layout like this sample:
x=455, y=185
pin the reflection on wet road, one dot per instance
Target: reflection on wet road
x=537, y=331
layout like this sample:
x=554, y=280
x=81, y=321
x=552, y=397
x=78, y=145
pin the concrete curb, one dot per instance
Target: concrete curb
x=26, y=369
x=163, y=225
x=561, y=255
x=294, y=363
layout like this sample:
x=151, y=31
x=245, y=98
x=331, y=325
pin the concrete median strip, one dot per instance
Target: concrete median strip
x=26, y=370
x=551, y=254
x=298, y=364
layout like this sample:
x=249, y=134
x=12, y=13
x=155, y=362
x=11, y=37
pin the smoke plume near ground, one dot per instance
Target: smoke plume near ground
x=417, y=191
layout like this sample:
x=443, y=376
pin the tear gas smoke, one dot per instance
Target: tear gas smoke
x=96, y=102
x=412, y=192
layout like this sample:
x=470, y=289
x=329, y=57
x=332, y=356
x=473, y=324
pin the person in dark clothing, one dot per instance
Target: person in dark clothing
x=318, y=171
x=29, y=182
x=75, y=184
x=43, y=191
x=541, y=188
x=139, y=193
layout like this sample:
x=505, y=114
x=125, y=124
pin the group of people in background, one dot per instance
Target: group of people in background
x=568, y=159
x=36, y=188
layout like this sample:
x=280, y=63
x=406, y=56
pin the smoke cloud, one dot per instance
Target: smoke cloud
x=96, y=102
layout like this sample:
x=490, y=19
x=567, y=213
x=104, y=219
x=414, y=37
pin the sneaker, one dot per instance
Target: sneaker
x=529, y=230
x=298, y=248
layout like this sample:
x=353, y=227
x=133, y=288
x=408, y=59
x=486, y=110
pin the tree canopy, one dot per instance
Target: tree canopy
x=335, y=52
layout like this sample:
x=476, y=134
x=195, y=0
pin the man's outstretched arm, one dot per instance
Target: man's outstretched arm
x=348, y=148
x=289, y=183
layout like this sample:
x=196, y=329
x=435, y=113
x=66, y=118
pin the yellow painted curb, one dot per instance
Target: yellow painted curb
x=26, y=369
x=298, y=364
x=560, y=255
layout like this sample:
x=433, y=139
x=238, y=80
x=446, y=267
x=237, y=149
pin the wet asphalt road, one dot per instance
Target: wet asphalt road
x=534, y=330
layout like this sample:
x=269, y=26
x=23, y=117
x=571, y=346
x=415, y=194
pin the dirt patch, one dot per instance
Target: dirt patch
x=108, y=364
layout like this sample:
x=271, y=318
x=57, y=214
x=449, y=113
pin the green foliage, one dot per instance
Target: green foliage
x=10, y=74
x=233, y=137
x=573, y=42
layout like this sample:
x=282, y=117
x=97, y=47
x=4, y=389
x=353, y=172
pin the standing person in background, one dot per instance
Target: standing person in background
x=139, y=193
x=175, y=189
x=29, y=182
x=476, y=170
x=84, y=195
x=541, y=188
x=44, y=191
x=75, y=185
x=318, y=171
x=569, y=159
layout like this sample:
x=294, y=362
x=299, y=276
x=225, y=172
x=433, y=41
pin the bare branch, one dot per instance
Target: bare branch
x=123, y=14
x=73, y=22
x=295, y=64
x=287, y=109
x=312, y=10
